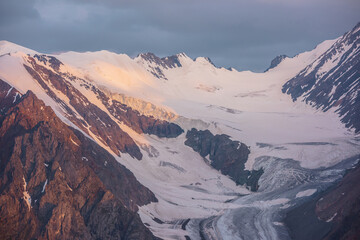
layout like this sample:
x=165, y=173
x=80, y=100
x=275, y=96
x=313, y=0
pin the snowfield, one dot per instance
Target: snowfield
x=289, y=140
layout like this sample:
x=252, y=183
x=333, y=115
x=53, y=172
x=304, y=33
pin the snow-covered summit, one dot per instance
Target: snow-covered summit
x=9, y=47
x=204, y=60
x=276, y=61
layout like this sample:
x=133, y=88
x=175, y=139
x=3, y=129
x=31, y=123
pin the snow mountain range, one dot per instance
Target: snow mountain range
x=99, y=145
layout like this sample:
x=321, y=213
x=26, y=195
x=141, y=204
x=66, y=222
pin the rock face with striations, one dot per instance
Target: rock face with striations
x=139, y=123
x=154, y=63
x=341, y=206
x=92, y=118
x=101, y=121
x=333, y=80
x=332, y=214
x=225, y=155
x=276, y=61
x=55, y=183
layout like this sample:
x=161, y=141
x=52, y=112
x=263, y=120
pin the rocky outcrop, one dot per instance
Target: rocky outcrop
x=136, y=121
x=8, y=96
x=55, y=183
x=154, y=63
x=141, y=123
x=50, y=61
x=341, y=206
x=333, y=80
x=165, y=62
x=92, y=118
x=225, y=155
x=332, y=214
x=143, y=107
x=276, y=61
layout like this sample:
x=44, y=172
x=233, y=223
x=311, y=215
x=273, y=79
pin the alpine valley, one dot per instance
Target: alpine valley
x=98, y=145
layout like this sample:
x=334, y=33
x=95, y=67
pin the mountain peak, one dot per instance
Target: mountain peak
x=4, y=42
x=153, y=62
x=356, y=28
x=154, y=57
x=147, y=54
x=182, y=54
x=10, y=47
x=276, y=61
x=165, y=62
x=204, y=60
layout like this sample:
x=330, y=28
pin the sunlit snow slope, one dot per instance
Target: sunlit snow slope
x=248, y=106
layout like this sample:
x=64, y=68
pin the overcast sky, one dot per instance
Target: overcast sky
x=245, y=34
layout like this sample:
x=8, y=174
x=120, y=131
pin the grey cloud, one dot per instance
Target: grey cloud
x=244, y=34
x=15, y=11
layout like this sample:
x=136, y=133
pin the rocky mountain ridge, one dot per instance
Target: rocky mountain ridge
x=333, y=80
x=56, y=183
x=89, y=117
x=276, y=61
x=225, y=155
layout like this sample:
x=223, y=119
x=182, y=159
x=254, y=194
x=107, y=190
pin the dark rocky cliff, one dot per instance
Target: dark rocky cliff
x=333, y=214
x=225, y=155
x=57, y=184
x=342, y=205
x=276, y=61
x=333, y=80
x=165, y=62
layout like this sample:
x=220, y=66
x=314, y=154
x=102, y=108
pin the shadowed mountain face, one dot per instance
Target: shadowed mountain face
x=342, y=205
x=333, y=80
x=276, y=61
x=56, y=183
x=225, y=155
x=332, y=214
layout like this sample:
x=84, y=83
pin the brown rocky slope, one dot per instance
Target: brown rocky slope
x=101, y=121
x=57, y=184
x=333, y=214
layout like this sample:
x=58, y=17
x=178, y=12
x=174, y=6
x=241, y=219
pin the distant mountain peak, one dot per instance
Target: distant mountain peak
x=276, y=61
x=10, y=47
x=204, y=59
x=165, y=62
x=356, y=28
x=182, y=54
x=154, y=63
